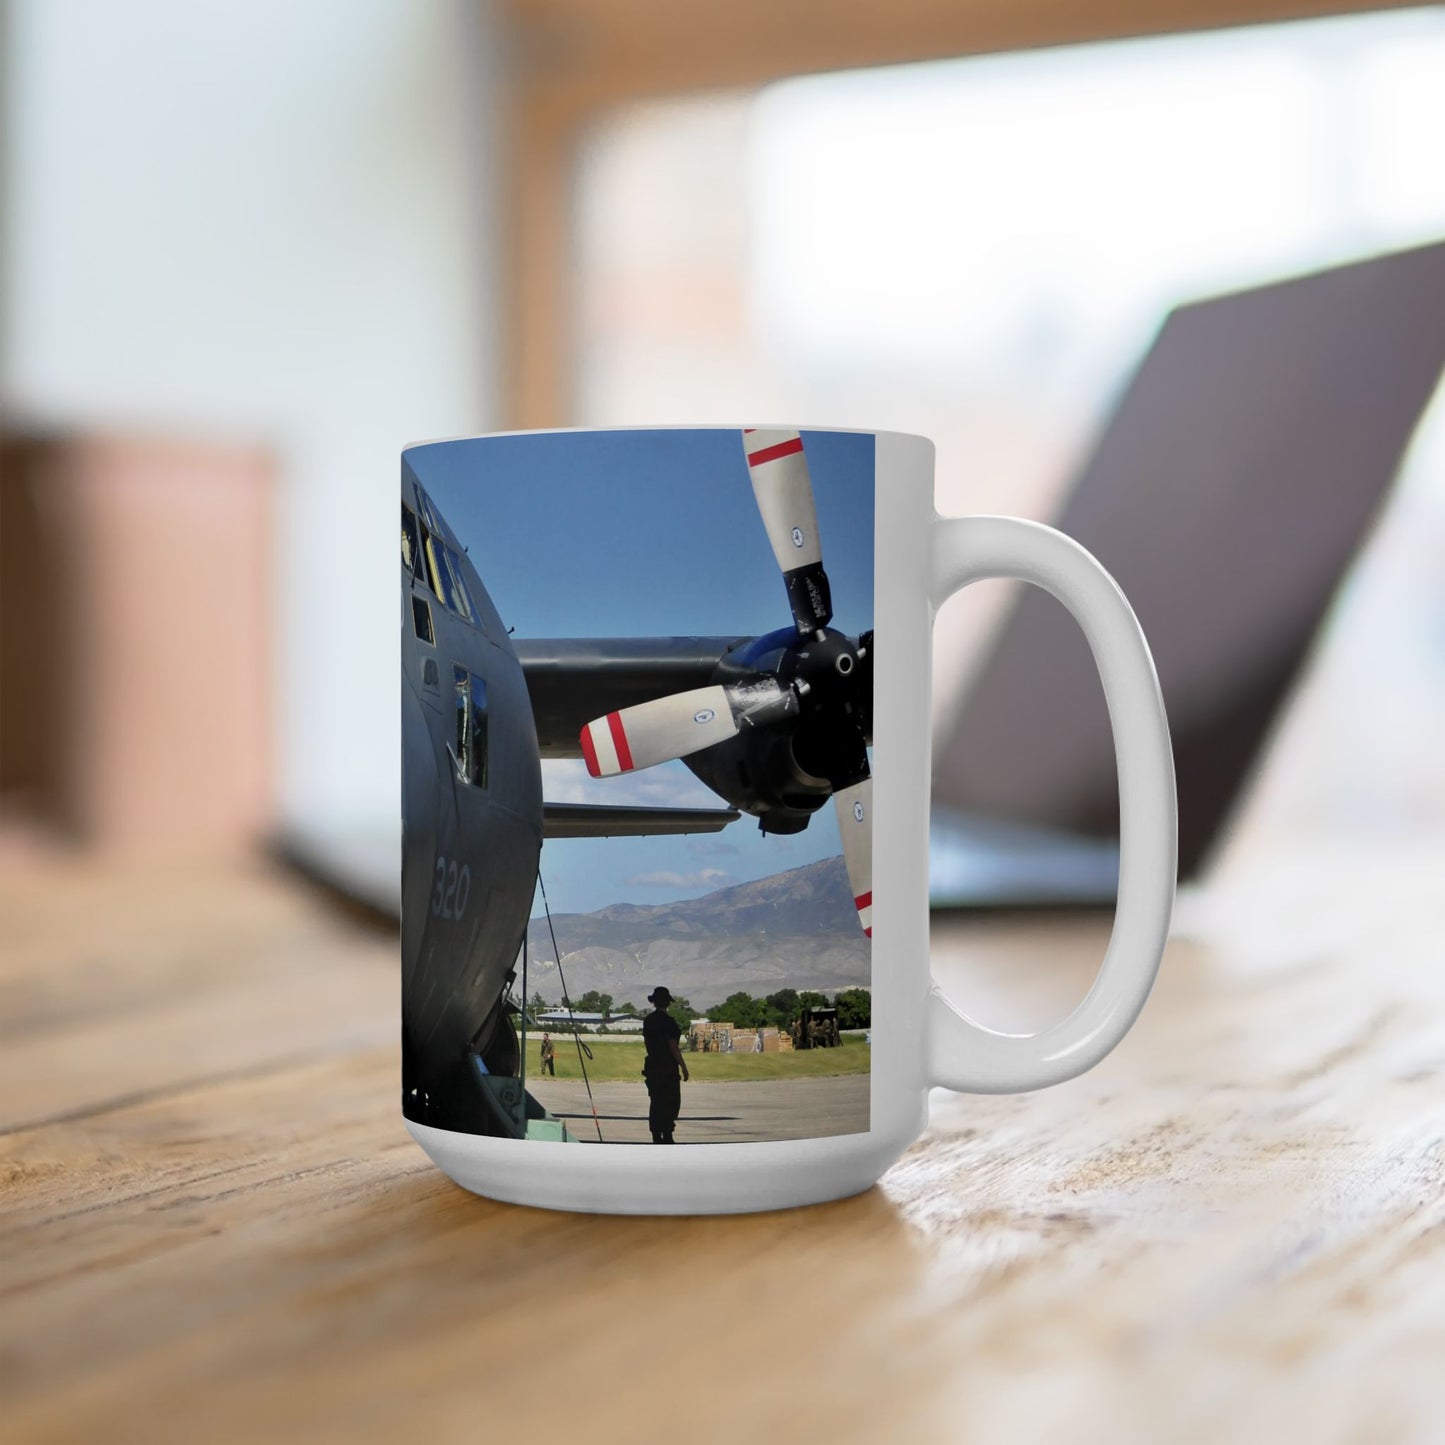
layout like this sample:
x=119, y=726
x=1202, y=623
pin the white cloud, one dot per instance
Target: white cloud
x=703, y=878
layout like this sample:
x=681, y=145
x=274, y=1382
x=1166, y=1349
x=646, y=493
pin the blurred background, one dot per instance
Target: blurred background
x=248, y=252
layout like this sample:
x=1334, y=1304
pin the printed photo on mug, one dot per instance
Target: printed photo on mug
x=636, y=734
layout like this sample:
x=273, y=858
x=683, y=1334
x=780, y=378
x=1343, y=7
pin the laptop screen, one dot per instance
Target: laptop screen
x=1227, y=495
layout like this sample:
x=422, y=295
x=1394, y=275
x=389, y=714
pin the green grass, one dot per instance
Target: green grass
x=614, y=1061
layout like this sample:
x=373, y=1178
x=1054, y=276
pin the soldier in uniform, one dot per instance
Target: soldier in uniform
x=549, y=1056
x=664, y=1067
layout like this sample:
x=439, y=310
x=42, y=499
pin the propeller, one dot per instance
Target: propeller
x=784, y=492
x=682, y=723
x=820, y=684
x=854, y=807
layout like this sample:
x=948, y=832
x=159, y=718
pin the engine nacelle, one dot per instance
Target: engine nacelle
x=783, y=772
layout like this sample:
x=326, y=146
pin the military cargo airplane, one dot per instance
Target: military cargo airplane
x=775, y=725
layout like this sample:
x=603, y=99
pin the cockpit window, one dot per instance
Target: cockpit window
x=445, y=588
x=433, y=562
x=447, y=568
x=411, y=543
x=421, y=621
x=459, y=581
x=428, y=512
x=471, y=747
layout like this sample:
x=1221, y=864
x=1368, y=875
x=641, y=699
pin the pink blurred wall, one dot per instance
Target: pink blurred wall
x=136, y=710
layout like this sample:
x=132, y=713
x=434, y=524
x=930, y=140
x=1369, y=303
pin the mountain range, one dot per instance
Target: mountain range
x=792, y=930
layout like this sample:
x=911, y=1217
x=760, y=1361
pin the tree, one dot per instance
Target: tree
x=782, y=1007
x=741, y=1010
x=811, y=999
x=681, y=1012
x=539, y=1004
x=593, y=1002
x=855, y=1008
x=628, y=1009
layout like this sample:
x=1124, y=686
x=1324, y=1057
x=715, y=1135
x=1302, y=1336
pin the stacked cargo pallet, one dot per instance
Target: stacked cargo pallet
x=713, y=1038
x=708, y=1037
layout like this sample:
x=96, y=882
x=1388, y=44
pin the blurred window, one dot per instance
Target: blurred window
x=471, y=704
x=980, y=250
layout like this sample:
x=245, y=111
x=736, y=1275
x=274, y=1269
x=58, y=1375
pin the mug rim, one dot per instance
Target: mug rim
x=660, y=427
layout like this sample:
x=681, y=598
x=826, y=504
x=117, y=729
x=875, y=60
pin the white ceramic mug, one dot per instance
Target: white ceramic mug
x=599, y=614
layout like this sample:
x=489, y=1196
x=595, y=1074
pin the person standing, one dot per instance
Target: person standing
x=663, y=1067
x=549, y=1056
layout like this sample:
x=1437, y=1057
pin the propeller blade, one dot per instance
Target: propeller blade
x=658, y=731
x=784, y=492
x=854, y=807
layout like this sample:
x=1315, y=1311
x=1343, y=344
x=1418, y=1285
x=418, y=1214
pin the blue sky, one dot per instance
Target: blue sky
x=646, y=534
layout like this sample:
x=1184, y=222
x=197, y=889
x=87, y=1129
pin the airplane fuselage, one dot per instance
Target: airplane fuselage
x=472, y=810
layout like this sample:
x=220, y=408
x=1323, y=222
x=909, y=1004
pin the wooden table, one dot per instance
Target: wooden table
x=215, y=1229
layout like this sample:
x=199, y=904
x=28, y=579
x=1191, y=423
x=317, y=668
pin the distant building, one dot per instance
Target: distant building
x=560, y=1018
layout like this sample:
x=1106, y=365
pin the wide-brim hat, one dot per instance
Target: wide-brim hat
x=660, y=995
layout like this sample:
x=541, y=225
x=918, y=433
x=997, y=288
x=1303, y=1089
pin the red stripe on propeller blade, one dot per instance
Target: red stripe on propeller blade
x=589, y=752
x=771, y=454
x=619, y=741
x=863, y=900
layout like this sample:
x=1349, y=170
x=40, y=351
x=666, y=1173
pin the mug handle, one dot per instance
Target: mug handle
x=963, y=1054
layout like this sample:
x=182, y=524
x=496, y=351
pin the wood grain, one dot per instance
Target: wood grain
x=1233, y=1229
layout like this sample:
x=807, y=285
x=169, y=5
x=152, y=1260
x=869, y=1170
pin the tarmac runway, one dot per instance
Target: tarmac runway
x=714, y=1113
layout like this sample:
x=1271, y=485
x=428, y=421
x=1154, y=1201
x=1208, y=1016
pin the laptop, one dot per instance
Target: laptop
x=1228, y=494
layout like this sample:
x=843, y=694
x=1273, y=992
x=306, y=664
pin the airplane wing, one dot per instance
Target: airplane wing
x=602, y=820
x=575, y=679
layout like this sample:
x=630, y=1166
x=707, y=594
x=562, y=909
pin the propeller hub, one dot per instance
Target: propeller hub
x=826, y=663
